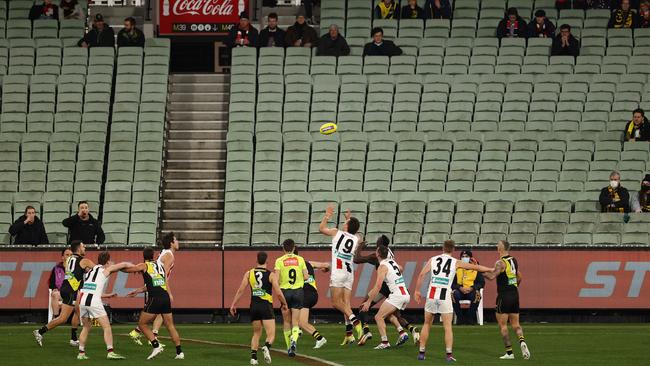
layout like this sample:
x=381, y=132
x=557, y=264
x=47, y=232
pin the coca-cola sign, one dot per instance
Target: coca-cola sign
x=199, y=17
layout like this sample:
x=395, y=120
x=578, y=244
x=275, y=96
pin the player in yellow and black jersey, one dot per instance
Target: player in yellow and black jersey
x=310, y=299
x=263, y=285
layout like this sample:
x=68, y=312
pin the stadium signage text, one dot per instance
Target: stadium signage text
x=198, y=17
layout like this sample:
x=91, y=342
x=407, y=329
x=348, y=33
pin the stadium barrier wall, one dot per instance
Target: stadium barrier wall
x=552, y=279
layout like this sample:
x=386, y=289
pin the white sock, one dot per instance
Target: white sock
x=448, y=350
x=384, y=338
x=82, y=348
x=422, y=349
x=400, y=329
x=109, y=346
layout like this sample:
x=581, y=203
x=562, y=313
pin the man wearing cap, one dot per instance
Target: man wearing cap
x=467, y=286
x=101, y=35
x=541, y=27
x=512, y=25
x=301, y=34
x=242, y=34
x=46, y=10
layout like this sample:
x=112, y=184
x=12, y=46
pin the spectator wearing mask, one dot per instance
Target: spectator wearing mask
x=243, y=34
x=437, y=9
x=272, y=35
x=57, y=276
x=333, y=43
x=101, y=35
x=644, y=18
x=29, y=229
x=638, y=129
x=412, y=11
x=570, y=4
x=46, y=10
x=70, y=9
x=541, y=27
x=614, y=198
x=640, y=202
x=512, y=25
x=301, y=34
x=386, y=9
x=380, y=46
x=467, y=286
x=84, y=227
x=623, y=17
x=565, y=44
x=130, y=36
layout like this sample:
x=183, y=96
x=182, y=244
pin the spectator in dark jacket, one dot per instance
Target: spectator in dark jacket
x=638, y=129
x=57, y=276
x=412, y=11
x=29, y=229
x=83, y=226
x=301, y=34
x=101, y=35
x=46, y=10
x=130, y=36
x=272, y=36
x=333, y=43
x=379, y=46
x=387, y=9
x=624, y=17
x=437, y=9
x=541, y=27
x=512, y=25
x=242, y=34
x=614, y=198
x=565, y=44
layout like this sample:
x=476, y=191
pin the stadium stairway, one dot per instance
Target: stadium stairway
x=195, y=153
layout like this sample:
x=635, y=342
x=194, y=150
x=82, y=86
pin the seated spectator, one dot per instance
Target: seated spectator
x=412, y=11
x=512, y=25
x=243, y=34
x=638, y=129
x=130, y=36
x=644, y=18
x=614, y=198
x=467, y=286
x=46, y=10
x=101, y=35
x=541, y=27
x=624, y=17
x=599, y=4
x=70, y=9
x=386, y=9
x=272, y=35
x=437, y=9
x=83, y=226
x=565, y=44
x=640, y=202
x=57, y=276
x=301, y=34
x=570, y=4
x=333, y=43
x=29, y=229
x=380, y=46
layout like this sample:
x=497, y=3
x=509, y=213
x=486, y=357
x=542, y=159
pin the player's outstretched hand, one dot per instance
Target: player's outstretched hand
x=329, y=211
x=418, y=296
x=284, y=307
x=365, y=306
x=348, y=214
x=132, y=293
x=233, y=311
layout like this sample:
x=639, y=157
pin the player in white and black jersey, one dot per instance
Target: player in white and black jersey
x=442, y=269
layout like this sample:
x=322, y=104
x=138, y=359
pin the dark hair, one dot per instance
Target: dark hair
x=103, y=258
x=376, y=30
x=506, y=244
x=383, y=241
x=63, y=251
x=81, y=203
x=540, y=13
x=638, y=110
x=272, y=16
x=167, y=240
x=261, y=257
x=382, y=251
x=147, y=254
x=565, y=26
x=130, y=20
x=27, y=209
x=512, y=11
x=448, y=246
x=288, y=245
x=74, y=245
x=353, y=225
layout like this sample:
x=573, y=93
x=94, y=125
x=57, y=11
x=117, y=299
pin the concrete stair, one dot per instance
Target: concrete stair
x=195, y=154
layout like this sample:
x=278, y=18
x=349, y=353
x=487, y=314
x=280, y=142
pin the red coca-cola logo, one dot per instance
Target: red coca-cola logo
x=203, y=7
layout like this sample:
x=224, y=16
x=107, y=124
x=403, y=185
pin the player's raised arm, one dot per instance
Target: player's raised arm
x=117, y=267
x=86, y=264
x=326, y=218
x=498, y=268
x=238, y=294
x=418, y=283
x=381, y=275
x=359, y=259
x=137, y=268
x=323, y=266
x=473, y=267
x=278, y=291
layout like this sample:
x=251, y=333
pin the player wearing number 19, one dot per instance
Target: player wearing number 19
x=442, y=269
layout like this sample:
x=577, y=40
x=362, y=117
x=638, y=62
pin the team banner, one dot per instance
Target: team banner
x=195, y=281
x=199, y=17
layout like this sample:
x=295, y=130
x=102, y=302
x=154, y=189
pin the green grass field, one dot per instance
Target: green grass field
x=557, y=344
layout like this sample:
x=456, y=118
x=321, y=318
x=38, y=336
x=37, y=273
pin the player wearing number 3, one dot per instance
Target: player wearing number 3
x=443, y=272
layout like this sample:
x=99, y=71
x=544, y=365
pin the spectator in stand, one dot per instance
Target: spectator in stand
x=387, y=9
x=512, y=25
x=70, y=9
x=437, y=9
x=301, y=34
x=83, y=226
x=333, y=43
x=412, y=11
x=541, y=27
x=130, y=36
x=29, y=229
x=380, y=46
x=101, y=35
x=614, y=198
x=570, y=4
x=46, y=10
x=623, y=17
x=57, y=276
x=467, y=286
x=244, y=34
x=644, y=18
x=640, y=202
x=565, y=44
x=638, y=129
x=272, y=36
